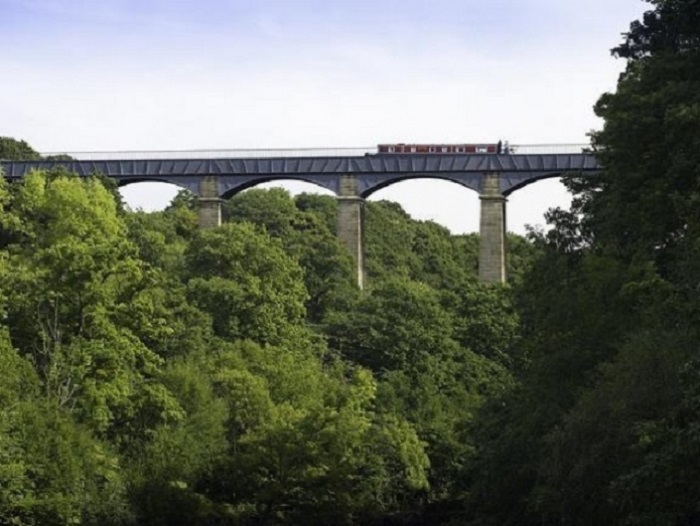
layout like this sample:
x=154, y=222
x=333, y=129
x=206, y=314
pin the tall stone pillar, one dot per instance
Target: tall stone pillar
x=492, y=231
x=209, y=202
x=351, y=218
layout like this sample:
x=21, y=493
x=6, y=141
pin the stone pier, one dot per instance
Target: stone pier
x=351, y=210
x=492, y=231
x=209, y=202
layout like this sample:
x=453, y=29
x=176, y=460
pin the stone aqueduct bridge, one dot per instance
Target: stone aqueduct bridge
x=352, y=178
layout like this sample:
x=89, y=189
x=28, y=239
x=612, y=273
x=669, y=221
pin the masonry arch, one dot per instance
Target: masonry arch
x=527, y=181
x=295, y=185
x=368, y=186
x=447, y=202
x=292, y=187
x=149, y=195
x=530, y=202
x=183, y=183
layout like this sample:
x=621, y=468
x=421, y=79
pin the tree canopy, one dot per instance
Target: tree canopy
x=153, y=373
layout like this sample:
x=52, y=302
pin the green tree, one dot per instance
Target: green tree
x=594, y=432
x=649, y=143
x=306, y=445
x=14, y=150
x=305, y=237
x=74, y=278
x=323, y=206
x=401, y=332
x=389, y=233
x=243, y=279
x=168, y=476
x=485, y=318
x=401, y=325
x=52, y=471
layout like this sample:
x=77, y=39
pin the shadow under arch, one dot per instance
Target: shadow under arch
x=368, y=186
x=236, y=187
x=518, y=185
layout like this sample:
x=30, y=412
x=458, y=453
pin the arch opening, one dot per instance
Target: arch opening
x=531, y=180
x=528, y=205
x=293, y=186
x=391, y=182
x=446, y=202
x=147, y=195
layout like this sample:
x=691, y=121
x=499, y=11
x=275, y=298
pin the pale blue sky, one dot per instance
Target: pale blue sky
x=83, y=75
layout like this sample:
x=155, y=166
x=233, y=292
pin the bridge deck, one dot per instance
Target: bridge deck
x=516, y=170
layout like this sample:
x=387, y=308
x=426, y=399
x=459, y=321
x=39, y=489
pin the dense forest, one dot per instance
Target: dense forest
x=158, y=374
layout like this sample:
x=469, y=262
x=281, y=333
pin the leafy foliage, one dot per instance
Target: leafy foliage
x=14, y=150
x=157, y=374
x=598, y=429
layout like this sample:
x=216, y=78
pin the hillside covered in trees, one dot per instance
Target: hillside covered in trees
x=158, y=374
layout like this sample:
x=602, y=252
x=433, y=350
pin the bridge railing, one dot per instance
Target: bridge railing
x=234, y=153
x=549, y=148
x=242, y=153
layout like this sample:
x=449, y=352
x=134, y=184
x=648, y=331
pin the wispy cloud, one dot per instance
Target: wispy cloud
x=149, y=74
